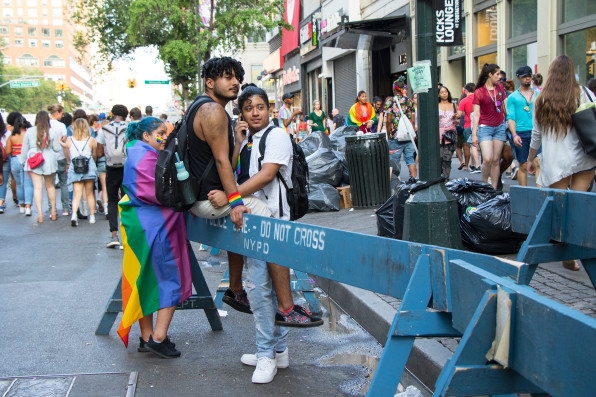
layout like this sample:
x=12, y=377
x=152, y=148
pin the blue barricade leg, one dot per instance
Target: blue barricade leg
x=203, y=294
x=305, y=286
x=590, y=266
x=397, y=349
x=113, y=307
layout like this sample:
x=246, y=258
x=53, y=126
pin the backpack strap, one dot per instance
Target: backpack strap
x=80, y=151
x=184, y=132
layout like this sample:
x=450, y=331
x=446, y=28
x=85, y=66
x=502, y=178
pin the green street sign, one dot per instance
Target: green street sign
x=24, y=84
x=157, y=81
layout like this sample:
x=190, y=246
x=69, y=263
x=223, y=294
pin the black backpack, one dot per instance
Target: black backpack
x=167, y=189
x=297, y=195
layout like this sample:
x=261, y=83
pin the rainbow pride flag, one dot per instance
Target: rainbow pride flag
x=156, y=266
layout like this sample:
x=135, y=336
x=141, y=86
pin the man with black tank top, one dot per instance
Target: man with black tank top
x=213, y=139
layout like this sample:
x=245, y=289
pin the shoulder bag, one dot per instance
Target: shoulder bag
x=35, y=160
x=405, y=130
x=584, y=122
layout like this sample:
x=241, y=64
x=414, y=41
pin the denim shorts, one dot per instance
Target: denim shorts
x=405, y=147
x=487, y=133
x=101, y=165
x=522, y=152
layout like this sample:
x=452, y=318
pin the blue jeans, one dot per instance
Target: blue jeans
x=19, y=177
x=62, y=182
x=263, y=303
x=6, y=175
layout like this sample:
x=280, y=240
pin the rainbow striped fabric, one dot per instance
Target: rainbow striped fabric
x=156, y=266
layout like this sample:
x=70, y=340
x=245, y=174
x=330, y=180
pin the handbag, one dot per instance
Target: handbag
x=35, y=160
x=448, y=136
x=405, y=130
x=584, y=122
x=80, y=163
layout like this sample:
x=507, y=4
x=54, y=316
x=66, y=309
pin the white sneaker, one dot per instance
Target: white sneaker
x=91, y=218
x=265, y=371
x=283, y=359
x=28, y=211
x=22, y=210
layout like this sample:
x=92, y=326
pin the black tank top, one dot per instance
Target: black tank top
x=199, y=156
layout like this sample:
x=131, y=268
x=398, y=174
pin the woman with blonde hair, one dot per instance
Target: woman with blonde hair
x=81, y=144
x=41, y=138
x=564, y=163
x=316, y=118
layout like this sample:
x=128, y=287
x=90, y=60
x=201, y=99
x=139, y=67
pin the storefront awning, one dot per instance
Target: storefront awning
x=372, y=34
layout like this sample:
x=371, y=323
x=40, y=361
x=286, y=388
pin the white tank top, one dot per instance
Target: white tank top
x=80, y=149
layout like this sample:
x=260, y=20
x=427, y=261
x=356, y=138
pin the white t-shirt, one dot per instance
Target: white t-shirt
x=278, y=150
x=59, y=130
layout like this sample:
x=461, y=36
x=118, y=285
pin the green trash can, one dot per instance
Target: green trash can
x=368, y=167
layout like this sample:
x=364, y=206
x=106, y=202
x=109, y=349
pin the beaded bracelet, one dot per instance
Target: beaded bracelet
x=235, y=200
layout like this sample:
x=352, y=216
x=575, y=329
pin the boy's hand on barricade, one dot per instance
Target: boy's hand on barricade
x=217, y=198
x=237, y=215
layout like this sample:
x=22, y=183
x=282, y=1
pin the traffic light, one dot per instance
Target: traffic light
x=132, y=83
x=60, y=85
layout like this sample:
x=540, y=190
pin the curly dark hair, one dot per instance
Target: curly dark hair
x=216, y=67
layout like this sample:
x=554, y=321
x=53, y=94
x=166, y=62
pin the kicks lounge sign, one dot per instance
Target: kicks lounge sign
x=448, y=30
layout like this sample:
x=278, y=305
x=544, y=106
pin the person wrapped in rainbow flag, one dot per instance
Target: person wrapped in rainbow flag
x=362, y=113
x=156, y=274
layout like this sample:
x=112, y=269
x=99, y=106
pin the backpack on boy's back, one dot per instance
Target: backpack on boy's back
x=115, y=143
x=297, y=193
x=175, y=186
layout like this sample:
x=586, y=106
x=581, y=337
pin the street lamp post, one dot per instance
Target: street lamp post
x=430, y=215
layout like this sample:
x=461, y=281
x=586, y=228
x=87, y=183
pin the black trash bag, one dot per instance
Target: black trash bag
x=487, y=228
x=470, y=193
x=338, y=137
x=345, y=174
x=324, y=167
x=390, y=216
x=314, y=141
x=395, y=166
x=394, y=183
x=323, y=197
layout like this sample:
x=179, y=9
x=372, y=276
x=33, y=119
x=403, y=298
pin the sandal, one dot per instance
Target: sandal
x=571, y=265
x=53, y=215
x=462, y=165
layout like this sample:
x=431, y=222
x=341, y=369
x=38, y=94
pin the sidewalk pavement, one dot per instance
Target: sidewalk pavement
x=375, y=312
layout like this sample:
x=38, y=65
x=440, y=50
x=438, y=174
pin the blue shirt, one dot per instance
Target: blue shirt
x=520, y=111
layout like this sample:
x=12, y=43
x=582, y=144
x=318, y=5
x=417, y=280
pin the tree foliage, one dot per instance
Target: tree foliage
x=181, y=34
x=32, y=99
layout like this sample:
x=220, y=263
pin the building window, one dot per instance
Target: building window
x=56, y=3
x=46, y=43
x=45, y=32
x=20, y=12
x=18, y=42
x=31, y=3
x=459, y=50
x=33, y=43
x=575, y=9
x=32, y=12
x=7, y=2
x=18, y=30
x=58, y=33
x=7, y=12
x=57, y=22
x=523, y=55
x=524, y=17
x=44, y=12
x=57, y=12
x=27, y=60
x=4, y=29
x=45, y=21
x=6, y=60
x=54, y=61
x=32, y=31
x=580, y=46
x=486, y=27
x=59, y=44
x=488, y=58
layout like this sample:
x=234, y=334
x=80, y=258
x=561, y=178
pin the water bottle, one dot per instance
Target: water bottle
x=184, y=182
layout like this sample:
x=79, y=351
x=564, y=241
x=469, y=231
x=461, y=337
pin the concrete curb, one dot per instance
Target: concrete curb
x=375, y=315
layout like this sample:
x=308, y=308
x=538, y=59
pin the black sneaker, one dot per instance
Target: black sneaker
x=164, y=349
x=411, y=180
x=298, y=317
x=80, y=214
x=142, y=348
x=237, y=301
x=499, y=188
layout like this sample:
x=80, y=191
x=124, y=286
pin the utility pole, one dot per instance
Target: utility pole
x=430, y=215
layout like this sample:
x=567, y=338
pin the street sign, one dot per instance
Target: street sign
x=24, y=84
x=157, y=81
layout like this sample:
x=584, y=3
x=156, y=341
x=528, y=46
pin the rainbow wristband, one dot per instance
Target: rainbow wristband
x=235, y=200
